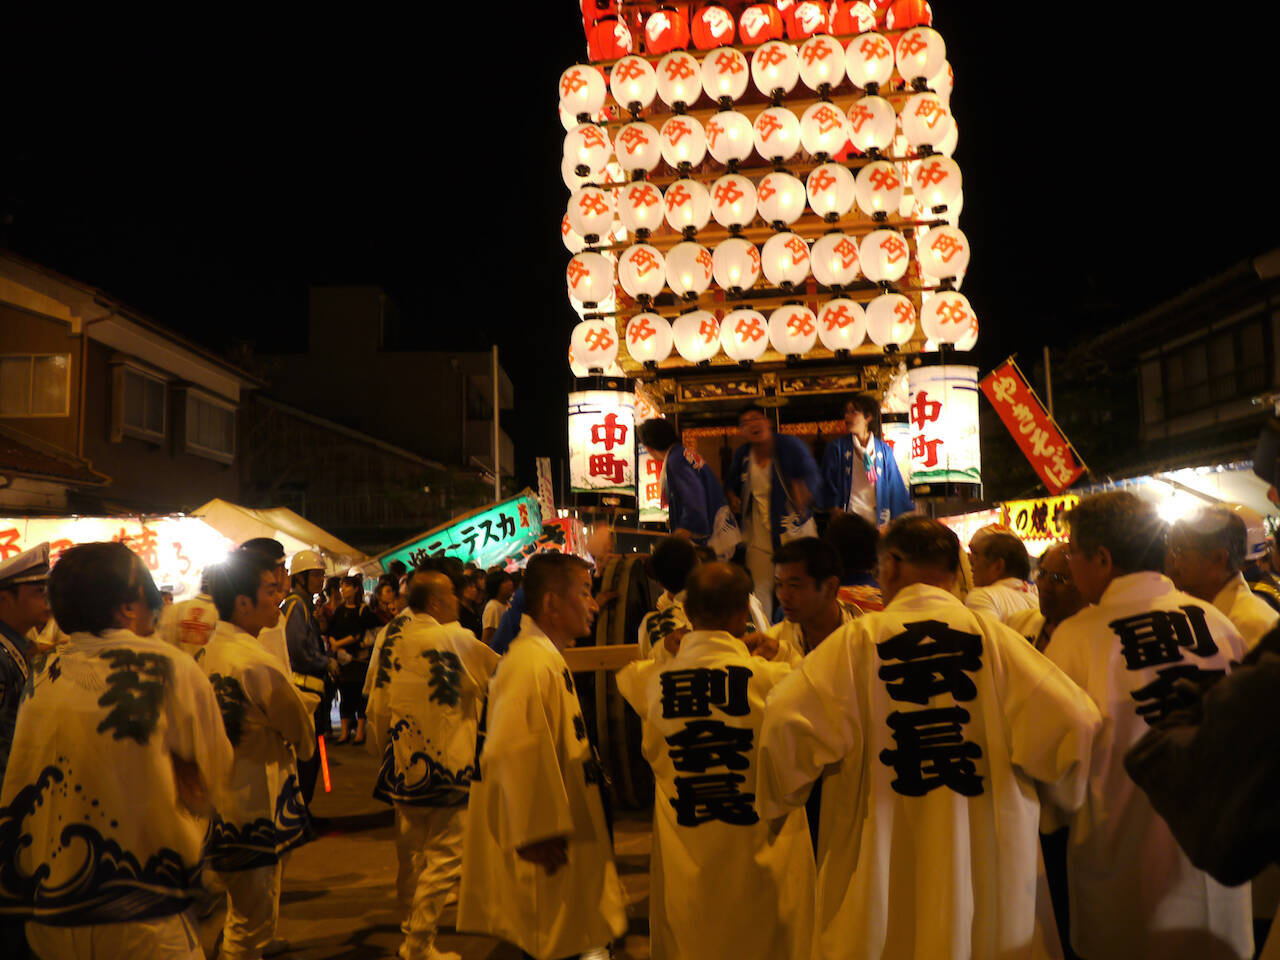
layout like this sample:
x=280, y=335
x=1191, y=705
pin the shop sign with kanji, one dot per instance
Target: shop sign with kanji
x=943, y=416
x=1041, y=519
x=602, y=446
x=1037, y=436
x=484, y=537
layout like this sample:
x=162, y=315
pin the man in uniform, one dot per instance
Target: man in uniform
x=308, y=652
x=1001, y=574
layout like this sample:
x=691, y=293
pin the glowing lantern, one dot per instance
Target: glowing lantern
x=793, y=330
x=642, y=272
x=776, y=134
x=926, y=121
x=952, y=216
x=904, y=14
x=591, y=213
x=633, y=83
x=595, y=344
x=936, y=182
x=684, y=142
x=785, y=260
x=688, y=269
x=947, y=317
x=602, y=441
x=848, y=17
x=942, y=82
x=821, y=63
x=666, y=30
x=735, y=265
x=948, y=145
x=780, y=199
x=582, y=90
x=808, y=18
x=830, y=190
x=872, y=124
x=823, y=129
x=884, y=256
x=891, y=319
x=640, y=208
x=725, y=74
x=572, y=239
x=759, y=23
x=638, y=147
x=969, y=339
x=572, y=179
x=921, y=53
x=868, y=61
x=590, y=277
x=679, y=80
x=878, y=189
x=579, y=370
x=697, y=336
x=712, y=27
x=733, y=201
x=587, y=145
x=944, y=252
x=730, y=137
x=842, y=325
x=609, y=39
x=775, y=67
x=788, y=10
x=688, y=206
x=945, y=442
x=649, y=338
x=834, y=260
x=744, y=335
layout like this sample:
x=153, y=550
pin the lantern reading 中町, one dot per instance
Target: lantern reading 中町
x=601, y=441
x=943, y=414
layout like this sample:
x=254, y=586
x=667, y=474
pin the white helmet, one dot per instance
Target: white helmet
x=305, y=560
x=1255, y=527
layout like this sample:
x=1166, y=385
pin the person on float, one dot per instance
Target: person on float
x=537, y=864
x=932, y=730
x=424, y=721
x=313, y=667
x=118, y=752
x=1001, y=572
x=712, y=854
x=188, y=624
x=859, y=473
x=1143, y=643
x=771, y=486
x=1057, y=595
x=262, y=814
x=695, y=502
x=807, y=575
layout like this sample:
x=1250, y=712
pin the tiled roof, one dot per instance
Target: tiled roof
x=30, y=457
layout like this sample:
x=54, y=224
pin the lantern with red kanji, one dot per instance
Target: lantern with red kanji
x=759, y=23
x=590, y=277
x=776, y=134
x=679, y=80
x=697, y=336
x=793, y=329
x=868, y=61
x=684, y=142
x=608, y=39
x=638, y=147
x=713, y=27
x=735, y=265
x=724, y=75
x=834, y=260
x=775, y=68
x=920, y=54
x=572, y=179
x=936, y=183
x=884, y=256
x=633, y=83
x=730, y=137
x=595, y=344
x=640, y=208
x=943, y=82
x=842, y=325
x=904, y=14
x=780, y=199
x=830, y=190
x=733, y=201
x=665, y=30
x=872, y=124
x=785, y=260
x=947, y=317
x=689, y=268
x=824, y=130
x=591, y=213
x=587, y=145
x=649, y=338
x=573, y=241
x=807, y=18
x=582, y=90
x=821, y=63
x=688, y=206
x=851, y=17
x=744, y=335
x=926, y=121
x=602, y=441
x=642, y=272
x=878, y=189
x=944, y=252
x=891, y=320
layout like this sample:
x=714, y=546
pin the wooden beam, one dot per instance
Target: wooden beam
x=588, y=659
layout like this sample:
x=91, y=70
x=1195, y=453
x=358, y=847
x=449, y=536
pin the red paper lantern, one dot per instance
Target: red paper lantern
x=807, y=18
x=593, y=10
x=759, y=23
x=788, y=10
x=713, y=27
x=905, y=14
x=609, y=39
x=849, y=17
x=666, y=30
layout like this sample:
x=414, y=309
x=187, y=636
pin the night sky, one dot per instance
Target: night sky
x=1103, y=174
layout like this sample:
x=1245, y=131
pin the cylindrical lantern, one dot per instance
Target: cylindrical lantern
x=759, y=23
x=744, y=335
x=639, y=147
x=642, y=271
x=735, y=264
x=808, y=18
x=679, y=79
x=776, y=134
x=780, y=198
x=842, y=325
x=688, y=205
x=573, y=241
x=878, y=189
x=904, y=14
x=595, y=344
x=943, y=414
x=688, y=269
x=821, y=63
x=713, y=27
x=725, y=74
x=591, y=213
x=868, y=61
x=633, y=83
x=608, y=39
x=872, y=123
x=775, y=67
x=602, y=445
x=582, y=89
x=730, y=137
x=649, y=338
x=926, y=121
x=947, y=317
x=944, y=252
x=823, y=129
x=590, y=277
x=785, y=260
x=884, y=256
x=936, y=182
x=891, y=320
x=587, y=146
x=697, y=335
x=793, y=330
x=834, y=260
x=920, y=53
x=851, y=17
x=733, y=201
x=640, y=208
x=830, y=191
x=665, y=30
x=684, y=142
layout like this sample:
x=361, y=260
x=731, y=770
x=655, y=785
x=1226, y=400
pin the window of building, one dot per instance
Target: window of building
x=35, y=385
x=141, y=400
x=1226, y=365
x=211, y=428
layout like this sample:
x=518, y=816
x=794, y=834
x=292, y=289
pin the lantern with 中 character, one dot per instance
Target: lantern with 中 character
x=920, y=54
x=780, y=199
x=793, y=329
x=665, y=30
x=775, y=68
x=878, y=189
x=872, y=124
x=842, y=325
x=944, y=252
x=640, y=208
x=642, y=272
x=649, y=338
x=777, y=134
x=821, y=63
x=595, y=344
x=689, y=268
x=891, y=320
x=713, y=27
x=638, y=146
x=759, y=23
x=582, y=90
x=697, y=336
x=926, y=121
x=830, y=189
x=679, y=79
x=735, y=265
x=730, y=137
x=947, y=317
x=688, y=206
x=649, y=487
x=834, y=260
x=824, y=130
x=591, y=213
x=943, y=414
x=744, y=335
x=725, y=74
x=684, y=142
x=602, y=441
x=785, y=260
x=733, y=201
x=590, y=277
x=633, y=83
x=868, y=61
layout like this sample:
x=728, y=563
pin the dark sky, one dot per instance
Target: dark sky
x=1101, y=176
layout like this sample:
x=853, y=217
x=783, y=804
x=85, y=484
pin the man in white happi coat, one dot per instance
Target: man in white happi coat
x=537, y=864
x=807, y=574
x=933, y=730
x=712, y=854
x=1133, y=892
x=106, y=799
x=1001, y=574
x=261, y=813
x=425, y=708
x=272, y=638
x=670, y=564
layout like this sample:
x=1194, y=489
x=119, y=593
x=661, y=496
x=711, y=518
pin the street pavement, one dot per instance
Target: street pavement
x=339, y=898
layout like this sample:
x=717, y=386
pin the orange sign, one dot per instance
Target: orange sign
x=1039, y=438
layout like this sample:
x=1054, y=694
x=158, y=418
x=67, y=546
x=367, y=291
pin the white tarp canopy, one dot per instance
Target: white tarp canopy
x=239, y=524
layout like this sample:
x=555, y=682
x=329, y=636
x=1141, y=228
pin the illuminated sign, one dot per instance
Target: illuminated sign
x=602, y=445
x=1042, y=519
x=484, y=537
x=943, y=415
x=649, y=488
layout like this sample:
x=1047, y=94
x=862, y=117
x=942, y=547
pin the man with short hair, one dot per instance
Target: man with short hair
x=424, y=721
x=807, y=576
x=537, y=867
x=712, y=855
x=932, y=730
x=856, y=539
x=1133, y=892
x=1058, y=598
x=23, y=606
x=1001, y=574
x=695, y=501
x=313, y=667
x=272, y=638
x=670, y=564
x=469, y=613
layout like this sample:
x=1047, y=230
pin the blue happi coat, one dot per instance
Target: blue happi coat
x=695, y=501
x=838, y=463
x=791, y=461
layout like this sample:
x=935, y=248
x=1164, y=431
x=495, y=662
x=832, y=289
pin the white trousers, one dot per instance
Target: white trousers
x=253, y=908
x=168, y=938
x=429, y=845
x=760, y=563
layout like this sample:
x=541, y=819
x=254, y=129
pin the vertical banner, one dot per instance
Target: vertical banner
x=943, y=417
x=602, y=448
x=1037, y=436
x=546, y=493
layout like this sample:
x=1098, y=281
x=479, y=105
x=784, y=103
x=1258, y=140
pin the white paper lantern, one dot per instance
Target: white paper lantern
x=649, y=338
x=679, y=79
x=688, y=205
x=944, y=252
x=920, y=53
x=640, y=208
x=697, y=336
x=785, y=260
x=884, y=256
x=587, y=145
x=821, y=62
x=595, y=344
x=793, y=330
x=891, y=319
x=824, y=129
x=733, y=200
x=830, y=191
x=573, y=241
x=579, y=370
x=642, y=272
x=744, y=335
x=947, y=147
x=735, y=264
x=775, y=66
x=633, y=83
x=926, y=121
x=725, y=73
x=872, y=123
x=776, y=134
x=947, y=317
x=842, y=325
x=868, y=61
x=638, y=146
x=607, y=304
x=834, y=260
x=943, y=82
x=952, y=216
x=683, y=142
x=780, y=198
x=590, y=277
x=730, y=137
x=581, y=89
x=576, y=181
x=936, y=182
x=969, y=339
x=591, y=213
x=689, y=268
x=878, y=189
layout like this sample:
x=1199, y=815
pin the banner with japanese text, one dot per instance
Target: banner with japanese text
x=1040, y=519
x=602, y=447
x=1037, y=436
x=943, y=415
x=562, y=535
x=484, y=537
x=546, y=494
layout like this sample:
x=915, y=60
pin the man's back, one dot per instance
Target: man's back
x=1003, y=599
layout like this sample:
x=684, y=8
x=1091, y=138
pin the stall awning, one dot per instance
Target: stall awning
x=239, y=524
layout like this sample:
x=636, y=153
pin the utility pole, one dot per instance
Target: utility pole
x=497, y=453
